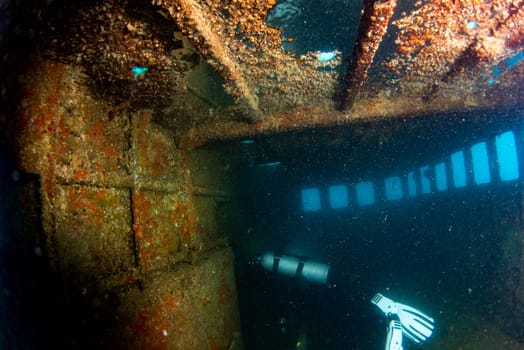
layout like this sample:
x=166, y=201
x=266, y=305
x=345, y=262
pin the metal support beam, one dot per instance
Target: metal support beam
x=197, y=21
x=373, y=26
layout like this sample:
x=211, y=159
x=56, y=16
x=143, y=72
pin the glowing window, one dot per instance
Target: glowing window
x=507, y=156
x=365, y=193
x=311, y=199
x=479, y=156
x=458, y=168
x=393, y=187
x=441, y=178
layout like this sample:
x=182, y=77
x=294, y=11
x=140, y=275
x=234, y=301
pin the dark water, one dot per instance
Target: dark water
x=29, y=300
x=424, y=251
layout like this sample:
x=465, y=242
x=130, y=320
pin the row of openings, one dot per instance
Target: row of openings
x=461, y=168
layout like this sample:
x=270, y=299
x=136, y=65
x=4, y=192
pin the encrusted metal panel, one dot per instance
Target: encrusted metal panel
x=457, y=45
x=121, y=225
x=441, y=48
x=93, y=234
x=192, y=307
x=408, y=55
x=240, y=45
x=155, y=161
x=164, y=227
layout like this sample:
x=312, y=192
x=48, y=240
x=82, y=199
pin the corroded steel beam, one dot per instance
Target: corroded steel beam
x=373, y=26
x=197, y=22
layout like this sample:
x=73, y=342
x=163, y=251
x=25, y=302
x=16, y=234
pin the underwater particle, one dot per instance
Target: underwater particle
x=164, y=333
x=472, y=25
x=326, y=56
x=138, y=71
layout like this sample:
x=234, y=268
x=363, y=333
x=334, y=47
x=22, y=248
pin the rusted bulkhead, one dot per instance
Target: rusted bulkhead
x=135, y=258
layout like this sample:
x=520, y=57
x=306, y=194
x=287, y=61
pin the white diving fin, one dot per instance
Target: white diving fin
x=416, y=325
x=394, y=338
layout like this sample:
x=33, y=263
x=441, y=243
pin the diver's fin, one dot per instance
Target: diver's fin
x=387, y=305
x=416, y=325
x=394, y=338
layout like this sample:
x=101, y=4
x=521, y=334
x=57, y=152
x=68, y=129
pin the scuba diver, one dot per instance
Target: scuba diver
x=405, y=321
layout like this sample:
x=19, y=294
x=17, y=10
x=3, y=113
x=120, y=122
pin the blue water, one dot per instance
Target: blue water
x=310, y=25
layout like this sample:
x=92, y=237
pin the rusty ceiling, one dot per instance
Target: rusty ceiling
x=401, y=58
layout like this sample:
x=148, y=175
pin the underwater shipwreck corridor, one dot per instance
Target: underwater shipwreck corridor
x=383, y=207
x=261, y=174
